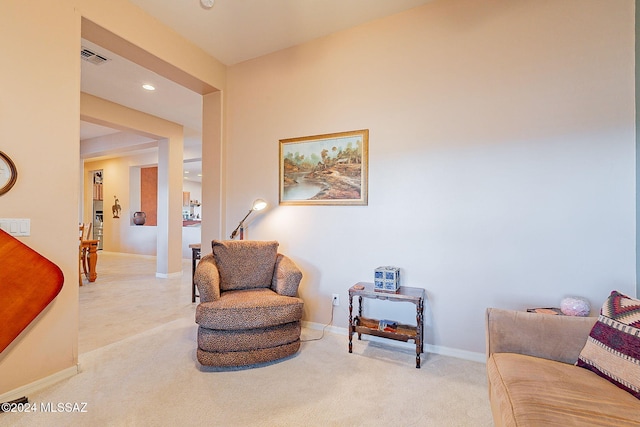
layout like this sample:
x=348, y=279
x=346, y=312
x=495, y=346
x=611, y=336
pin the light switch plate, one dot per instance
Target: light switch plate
x=16, y=226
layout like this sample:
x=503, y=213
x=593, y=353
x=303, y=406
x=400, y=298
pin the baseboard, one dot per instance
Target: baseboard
x=429, y=348
x=126, y=254
x=25, y=390
x=169, y=275
x=457, y=353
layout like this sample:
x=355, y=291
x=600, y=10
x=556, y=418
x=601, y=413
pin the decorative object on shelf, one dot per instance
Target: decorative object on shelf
x=258, y=205
x=8, y=173
x=575, y=306
x=139, y=218
x=97, y=184
x=330, y=169
x=387, y=279
x=116, y=208
x=388, y=326
x=97, y=191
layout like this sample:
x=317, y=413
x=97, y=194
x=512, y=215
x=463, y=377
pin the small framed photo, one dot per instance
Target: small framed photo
x=330, y=169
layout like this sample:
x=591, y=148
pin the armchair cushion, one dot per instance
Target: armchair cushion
x=248, y=309
x=245, y=264
x=287, y=277
x=207, y=278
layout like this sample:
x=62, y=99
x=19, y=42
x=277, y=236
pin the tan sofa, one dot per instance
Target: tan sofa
x=533, y=380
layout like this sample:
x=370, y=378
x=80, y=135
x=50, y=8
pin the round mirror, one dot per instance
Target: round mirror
x=8, y=173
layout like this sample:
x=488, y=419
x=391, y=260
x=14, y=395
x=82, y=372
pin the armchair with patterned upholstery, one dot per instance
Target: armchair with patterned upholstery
x=249, y=312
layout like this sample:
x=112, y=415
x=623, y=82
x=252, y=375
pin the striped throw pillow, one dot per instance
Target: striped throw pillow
x=613, y=348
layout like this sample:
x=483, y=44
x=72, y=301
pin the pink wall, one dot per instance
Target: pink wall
x=39, y=129
x=501, y=169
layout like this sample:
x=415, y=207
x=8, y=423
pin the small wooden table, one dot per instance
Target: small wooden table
x=363, y=325
x=195, y=255
x=89, y=250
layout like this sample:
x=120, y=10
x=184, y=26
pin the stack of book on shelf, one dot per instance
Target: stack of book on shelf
x=97, y=191
x=388, y=326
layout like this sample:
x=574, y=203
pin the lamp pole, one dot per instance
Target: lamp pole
x=258, y=205
x=241, y=227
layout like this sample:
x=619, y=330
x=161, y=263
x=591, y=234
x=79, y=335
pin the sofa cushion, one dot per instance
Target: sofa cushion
x=248, y=309
x=245, y=264
x=531, y=391
x=613, y=347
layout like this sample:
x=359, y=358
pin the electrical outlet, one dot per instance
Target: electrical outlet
x=16, y=226
x=335, y=299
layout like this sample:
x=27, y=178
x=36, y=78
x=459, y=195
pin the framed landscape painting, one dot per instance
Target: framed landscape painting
x=326, y=169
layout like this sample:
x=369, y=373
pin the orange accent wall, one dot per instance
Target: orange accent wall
x=149, y=194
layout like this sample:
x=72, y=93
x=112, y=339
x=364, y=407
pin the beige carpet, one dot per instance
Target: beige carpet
x=152, y=378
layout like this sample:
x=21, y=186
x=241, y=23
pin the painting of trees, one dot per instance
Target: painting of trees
x=324, y=169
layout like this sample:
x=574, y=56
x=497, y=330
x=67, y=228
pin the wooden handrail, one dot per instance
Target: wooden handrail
x=28, y=283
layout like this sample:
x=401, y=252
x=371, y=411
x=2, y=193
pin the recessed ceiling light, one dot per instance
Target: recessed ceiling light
x=186, y=171
x=148, y=87
x=199, y=174
x=207, y=4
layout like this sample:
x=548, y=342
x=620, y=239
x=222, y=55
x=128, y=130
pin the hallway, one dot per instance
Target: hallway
x=128, y=299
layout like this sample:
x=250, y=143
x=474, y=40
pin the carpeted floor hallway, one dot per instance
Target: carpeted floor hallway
x=138, y=368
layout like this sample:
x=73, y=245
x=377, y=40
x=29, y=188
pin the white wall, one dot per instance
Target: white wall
x=501, y=157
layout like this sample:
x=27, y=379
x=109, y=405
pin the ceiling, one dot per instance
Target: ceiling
x=237, y=30
x=232, y=31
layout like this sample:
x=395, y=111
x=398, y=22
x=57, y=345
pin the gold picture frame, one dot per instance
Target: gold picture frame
x=329, y=169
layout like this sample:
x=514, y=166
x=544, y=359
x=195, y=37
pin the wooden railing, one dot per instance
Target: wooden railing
x=28, y=283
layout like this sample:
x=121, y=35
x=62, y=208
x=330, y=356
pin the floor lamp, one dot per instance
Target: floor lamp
x=258, y=205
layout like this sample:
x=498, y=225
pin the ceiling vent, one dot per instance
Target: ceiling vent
x=90, y=56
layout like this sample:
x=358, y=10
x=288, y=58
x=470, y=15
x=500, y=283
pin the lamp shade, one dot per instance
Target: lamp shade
x=259, y=204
